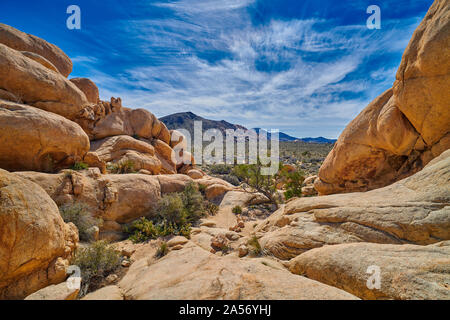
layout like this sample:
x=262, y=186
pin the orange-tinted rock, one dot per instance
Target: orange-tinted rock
x=21, y=41
x=34, y=240
x=33, y=139
x=33, y=83
x=88, y=87
x=404, y=128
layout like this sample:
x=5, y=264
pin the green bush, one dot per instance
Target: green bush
x=211, y=208
x=96, y=262
x=293, y=183
x=172, y=209
x=80, y=166
x=220, y=169
x=175, y=214
x=122, y=167
x=142, y=230
x=202, y=188
x=78, y=214
x=231, y=178
x=236, y=210
x=193, y=201
x=162, y=250
x=255, y=247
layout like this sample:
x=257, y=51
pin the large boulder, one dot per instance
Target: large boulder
x=21, y=41
x=33, y=139
x=421, y=85
x=35, y=84
x=53, y=292
x=405, y=127
x=214, y=187
x=197, y=274
x=122, y=148
x=35, y=243
x=405, y=271
x=88, y=87
x=413, y=210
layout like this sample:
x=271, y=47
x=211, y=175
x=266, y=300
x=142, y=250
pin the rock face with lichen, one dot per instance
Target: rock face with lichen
x=405, y=127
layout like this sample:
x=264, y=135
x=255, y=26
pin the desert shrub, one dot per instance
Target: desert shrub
x=141, y=230
x=172, y=209
x=231, y=178
x=78, y=213
x=236, y=210
x=175, y=214
x=193, y=201
x=96, y=262
x=144, y=229
x=80, y=166
x=211, y=208
x=255, y=247
x=293, y=183
x=220, y=169
x=122, y=167
x=202, y=188
x=162, y=250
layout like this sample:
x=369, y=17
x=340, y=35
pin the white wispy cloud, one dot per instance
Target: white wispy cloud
x=267, y=75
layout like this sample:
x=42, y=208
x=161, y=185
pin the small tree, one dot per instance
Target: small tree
x=256, y=182
x=293, y=181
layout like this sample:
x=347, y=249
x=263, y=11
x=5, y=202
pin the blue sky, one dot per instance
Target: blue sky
x=304, y=67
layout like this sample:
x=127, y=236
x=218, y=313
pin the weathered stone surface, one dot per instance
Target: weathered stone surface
x=93, y=160
x=21, y=41
x=122, y=121
x=397, y=134
x=125, y=148
x=166, y=155
x=33, y=139
x=195, y=174
x=88, y=87
x=215, y=187
x=39, y=59
x=173, y=183
x=406, y=271
x=34, y=240
x=197, y=274
x=175, y=241
x=55, y=292
x=413, y=210
x=421, y=86
x=36, y=85
x=241, y=198
x=106, y=293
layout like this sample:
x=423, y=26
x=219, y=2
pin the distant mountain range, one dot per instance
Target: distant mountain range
x=185, y=120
